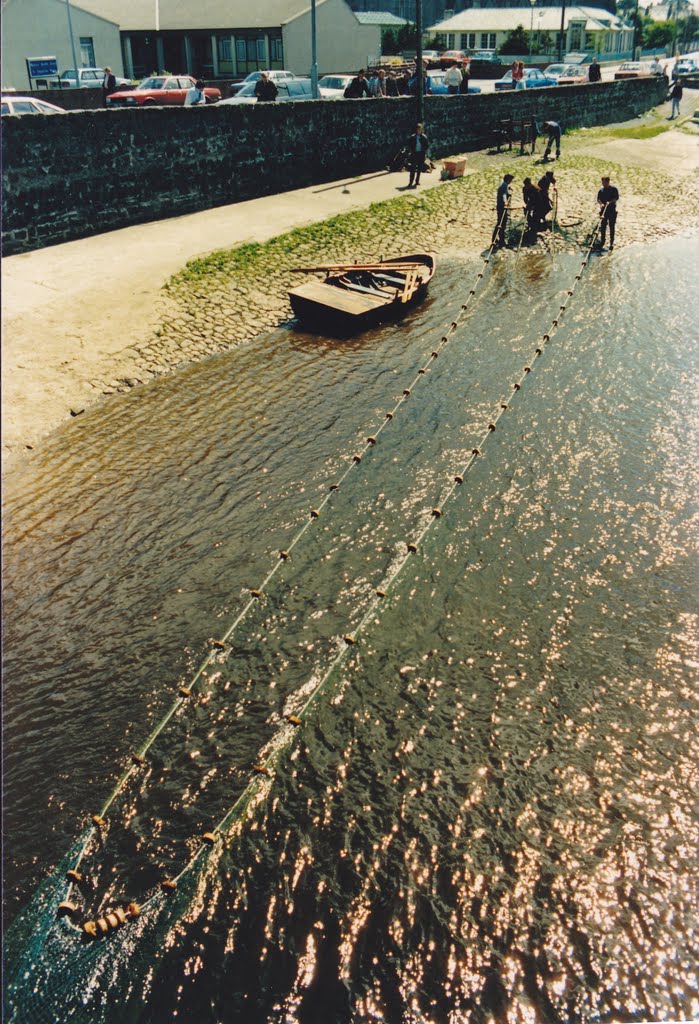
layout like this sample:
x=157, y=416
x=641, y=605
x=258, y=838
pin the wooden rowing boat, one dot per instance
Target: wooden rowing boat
x=355, y=296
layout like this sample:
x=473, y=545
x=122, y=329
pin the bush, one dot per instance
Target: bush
x=516, y=42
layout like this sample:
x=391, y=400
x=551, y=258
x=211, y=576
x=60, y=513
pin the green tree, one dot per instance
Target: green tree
x=516, y=42
x=658, y=34
x=389, y=43
x=407, y=37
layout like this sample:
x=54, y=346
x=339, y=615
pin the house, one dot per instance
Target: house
x=40, y=28
x=592, y=30
x=210, y=38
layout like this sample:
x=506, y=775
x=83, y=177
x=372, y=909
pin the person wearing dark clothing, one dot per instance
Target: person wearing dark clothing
x=545, y=204
x=391, y=85
x=607, y=197
x=463, y=88
x=265, y=89
x=595, y=72
x=532, y=200
x=418, y=144
x=676, y=96
x=426, y=83
x=553, y=130
x=358, y=87
x=502, y=205
x=108, y=85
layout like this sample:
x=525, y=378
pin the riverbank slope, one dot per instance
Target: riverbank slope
x=97, y=316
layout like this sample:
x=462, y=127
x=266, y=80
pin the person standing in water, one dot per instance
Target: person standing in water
x=502, y=205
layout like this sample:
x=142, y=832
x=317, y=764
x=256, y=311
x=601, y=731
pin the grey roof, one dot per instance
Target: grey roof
x=384, y=18
x=161, y=15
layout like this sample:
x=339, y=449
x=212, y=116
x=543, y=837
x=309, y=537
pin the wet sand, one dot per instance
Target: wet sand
x=98, y=316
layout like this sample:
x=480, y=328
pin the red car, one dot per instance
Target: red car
x=450, y=56
x=161, y=91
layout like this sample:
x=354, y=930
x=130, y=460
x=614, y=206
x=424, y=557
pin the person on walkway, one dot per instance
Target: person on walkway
x=195, y=95
x=391, y=85
x=418, y=144
x=502, y=206
x=607, y=197
x=531, y=196
x=518, y=79
x=358, y=87
x=545, y=184
x=265, y=89
x=675, y=73
x=553, y=130
x=465, y=76
x=595, y=72
x=452, y=79
x=676, y=96
x=108, y=85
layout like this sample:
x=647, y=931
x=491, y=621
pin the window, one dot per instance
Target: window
x=261, y=52
x=450, y=40
x=225, y=50
x=276, y=53
x=23, y=107
x=5, y=108
x=87, y=52
x=282, y=90
x=589, y=41
x=472, y=40
x=240, y=51
x=484, y=40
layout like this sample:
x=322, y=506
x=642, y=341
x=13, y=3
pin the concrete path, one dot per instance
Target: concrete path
x=69, y=309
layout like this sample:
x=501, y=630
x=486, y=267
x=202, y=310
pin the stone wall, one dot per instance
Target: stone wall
x=77, y=174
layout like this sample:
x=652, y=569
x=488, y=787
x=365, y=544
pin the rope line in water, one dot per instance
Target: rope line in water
x=138, y=758
x=262, y=778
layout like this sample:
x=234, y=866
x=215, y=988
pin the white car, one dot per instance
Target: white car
x=88, y=78
x=332, y=87
x=28, y=105
x=297, y=89
x=275, y=76
x=555, y=70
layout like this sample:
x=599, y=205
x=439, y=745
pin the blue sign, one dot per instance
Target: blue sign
x=42, y=67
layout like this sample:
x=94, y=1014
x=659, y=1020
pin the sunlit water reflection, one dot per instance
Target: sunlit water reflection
x=489, y=815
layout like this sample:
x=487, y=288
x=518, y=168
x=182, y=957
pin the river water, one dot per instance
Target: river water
x=488, y=813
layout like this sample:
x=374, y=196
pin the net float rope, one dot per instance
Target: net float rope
x=262, y=773
x=220, y=646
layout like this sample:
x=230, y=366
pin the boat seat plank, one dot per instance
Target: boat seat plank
x=339, y=298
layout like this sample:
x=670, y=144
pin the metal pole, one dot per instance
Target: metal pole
x=314, y=53
x=418, y=59
x=531, y=29
x=563, y=23
x=72, y=41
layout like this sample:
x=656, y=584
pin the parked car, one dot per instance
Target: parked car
x=447, y=58
x=534, y=78
x=160, y=91
x=276, y=76
x=487, y=56
x=298, y=89
x=88, y=78
x=555, y=70
x=688, y=67
x=573, y=74
x=440, y=87
x=28, y=105
x=432, y=58
x=332, y=87
x=632, y=69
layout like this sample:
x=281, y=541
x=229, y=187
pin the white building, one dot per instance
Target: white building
x=586, y=29
x=211, y=38
x=39, y=28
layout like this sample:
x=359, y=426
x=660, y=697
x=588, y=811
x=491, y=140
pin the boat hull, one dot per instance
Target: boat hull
x=330, y=307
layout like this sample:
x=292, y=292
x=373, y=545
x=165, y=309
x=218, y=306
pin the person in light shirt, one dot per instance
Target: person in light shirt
x=195, y=95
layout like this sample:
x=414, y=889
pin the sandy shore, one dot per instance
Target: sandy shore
x=90, y=318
